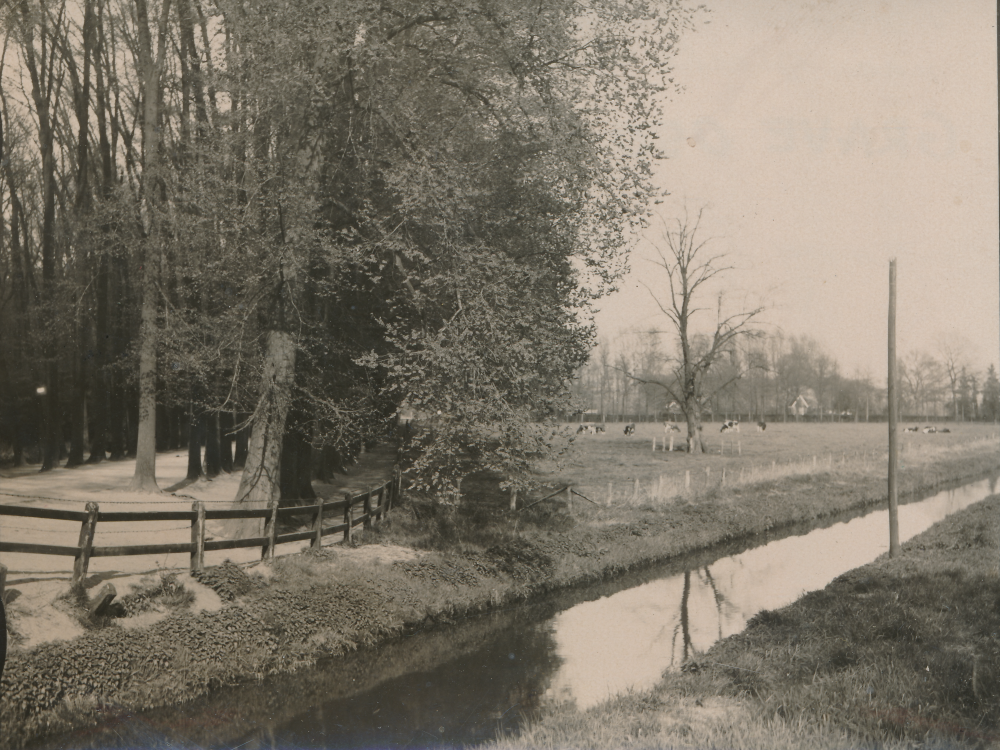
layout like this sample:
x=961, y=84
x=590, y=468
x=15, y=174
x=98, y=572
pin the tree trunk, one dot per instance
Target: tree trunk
x=226, y=441
x=144, y=479
x=213, y=458
x=693, y=415
x=242, y=440
x=260, y=482
x=194, y=470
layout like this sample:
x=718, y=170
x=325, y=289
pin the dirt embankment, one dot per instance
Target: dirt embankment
x=312, y=606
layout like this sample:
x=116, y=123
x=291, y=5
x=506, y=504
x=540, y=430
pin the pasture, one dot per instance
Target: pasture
x=783, y=449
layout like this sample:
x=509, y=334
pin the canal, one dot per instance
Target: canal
x=459, y=685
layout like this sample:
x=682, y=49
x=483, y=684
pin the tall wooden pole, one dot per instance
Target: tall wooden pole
x=893, y=416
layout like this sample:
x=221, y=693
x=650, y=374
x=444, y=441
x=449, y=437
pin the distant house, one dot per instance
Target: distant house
x=800, y=406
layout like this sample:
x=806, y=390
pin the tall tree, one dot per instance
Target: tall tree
x=689, y=268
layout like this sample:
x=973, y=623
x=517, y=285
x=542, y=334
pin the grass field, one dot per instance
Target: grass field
x=783, y=449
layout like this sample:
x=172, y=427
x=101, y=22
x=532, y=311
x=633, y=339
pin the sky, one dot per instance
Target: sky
x=823, y=139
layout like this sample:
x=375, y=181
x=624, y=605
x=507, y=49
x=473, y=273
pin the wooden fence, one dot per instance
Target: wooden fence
x=384, y=496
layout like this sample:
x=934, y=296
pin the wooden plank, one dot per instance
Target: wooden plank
x=317, y=527
x=238, y=513
x=141, y=549
x=217, y=544
x=152, y=515
x=294, y=536
x=58, y=515
x=38, y=549
x=298, y=510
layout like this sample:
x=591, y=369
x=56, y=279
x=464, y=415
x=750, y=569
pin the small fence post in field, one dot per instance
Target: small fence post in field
x=347, y=517
x=610, y=493
x=635, y=491
x=654, y=444
x=270, y=531
x=739, y=446
x=85, y=544
x=687, y=480
x=368, y=509
x=671, y=442
x=317, y=541
x=723, y=475
x=198, y=535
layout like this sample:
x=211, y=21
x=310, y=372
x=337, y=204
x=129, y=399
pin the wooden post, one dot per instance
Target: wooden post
x=687, y=480
x=85, y=544
x=671, y=442
x=382, y=494
x=270, y=531
x=347, y=516
x=894, y=548
x=198, y=535
x=368, y=509
x=723, y=475
x=635, y=491
x=654, y=444
x=317, y=541
x=610, y=493
x=659, y=489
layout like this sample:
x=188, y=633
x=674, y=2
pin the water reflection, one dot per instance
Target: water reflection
x=629, y=639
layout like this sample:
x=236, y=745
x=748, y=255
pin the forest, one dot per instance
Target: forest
x=263, y=229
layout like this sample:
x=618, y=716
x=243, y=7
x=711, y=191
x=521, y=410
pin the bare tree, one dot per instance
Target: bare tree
x=689, y=268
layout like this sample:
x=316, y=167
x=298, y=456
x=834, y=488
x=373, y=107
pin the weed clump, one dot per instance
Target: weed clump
x=227, y=580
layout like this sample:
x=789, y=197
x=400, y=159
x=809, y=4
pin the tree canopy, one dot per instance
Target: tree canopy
x=299, y=217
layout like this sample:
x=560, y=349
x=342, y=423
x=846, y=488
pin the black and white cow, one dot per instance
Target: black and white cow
x=911, y=429
x=930, y=430
x=761, y=425
x=599, y=429
x=670, y=427
x=630, y=428
x=730, y=425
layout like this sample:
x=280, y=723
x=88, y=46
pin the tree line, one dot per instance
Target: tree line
x=266, y=227
x=763, y=376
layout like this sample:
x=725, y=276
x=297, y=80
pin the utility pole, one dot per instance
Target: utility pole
x=894, y=549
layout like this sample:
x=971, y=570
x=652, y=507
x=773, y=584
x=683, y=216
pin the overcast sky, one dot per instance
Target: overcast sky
x=825, y=138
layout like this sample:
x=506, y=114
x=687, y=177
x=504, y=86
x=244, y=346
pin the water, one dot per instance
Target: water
x=462, y=685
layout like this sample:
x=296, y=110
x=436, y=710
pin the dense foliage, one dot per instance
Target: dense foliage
x=302, y=217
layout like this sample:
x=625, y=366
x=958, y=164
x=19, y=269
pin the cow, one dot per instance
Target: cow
x=761, y=425
x=930, y=430
x=670, y=427
x=630, y=428
x=587, y=428
x=911, y=429
x=599, y=429
x=730, y=425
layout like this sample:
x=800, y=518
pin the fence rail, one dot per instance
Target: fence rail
x=320, y=523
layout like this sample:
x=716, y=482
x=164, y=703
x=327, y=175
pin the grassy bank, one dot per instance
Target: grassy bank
x=900, y=653
x=429, y=565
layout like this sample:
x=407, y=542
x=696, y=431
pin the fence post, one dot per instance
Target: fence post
x=610, y=493
x=270, y=531
x=317, y=540
x=347, y=516
x=382, y=493
x=85, y=544
x=687, y=480
x=671, y=442
x=198, y=535
x=368, y=509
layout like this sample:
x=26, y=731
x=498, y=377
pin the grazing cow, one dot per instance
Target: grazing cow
x=911, y=429
x=670, y=427
x=930, y=430
x=587, y=428
x=599, y=429
x=731, y=425
x=630, y=428
x=761, y=426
